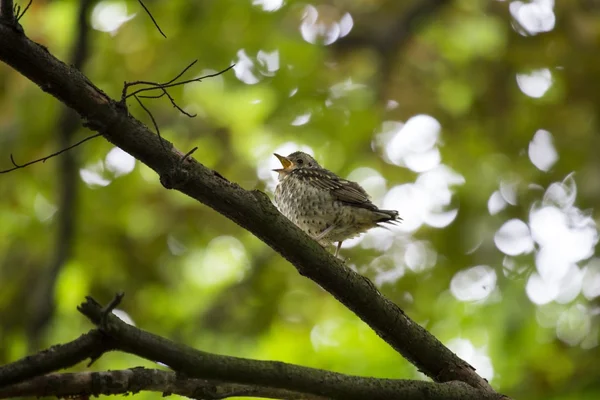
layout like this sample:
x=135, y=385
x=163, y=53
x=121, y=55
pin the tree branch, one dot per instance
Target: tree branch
x=91, y=345
x=252, y=377
x=250, y=209
x=152, y=18
x=7, y=11
x=140, y=379
x=198, y=364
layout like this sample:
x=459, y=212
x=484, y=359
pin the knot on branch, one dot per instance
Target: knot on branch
x=174, y=178
x=178, y=175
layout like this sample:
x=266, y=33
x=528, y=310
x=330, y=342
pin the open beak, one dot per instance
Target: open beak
x=285, y=163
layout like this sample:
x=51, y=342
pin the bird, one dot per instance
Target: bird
x=326, y=207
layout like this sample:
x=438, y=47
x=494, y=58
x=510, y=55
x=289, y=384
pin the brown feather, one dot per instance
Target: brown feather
x=347, y=192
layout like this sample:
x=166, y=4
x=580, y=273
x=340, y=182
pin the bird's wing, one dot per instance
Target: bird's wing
x=341, y=189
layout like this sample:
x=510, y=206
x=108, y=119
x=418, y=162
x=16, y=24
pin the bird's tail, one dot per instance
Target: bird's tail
x=387, y=217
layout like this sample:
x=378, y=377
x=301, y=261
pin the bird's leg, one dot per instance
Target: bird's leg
x=337, y=250
x=324, y=233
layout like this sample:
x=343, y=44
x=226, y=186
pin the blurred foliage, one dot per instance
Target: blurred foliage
x=476, y=81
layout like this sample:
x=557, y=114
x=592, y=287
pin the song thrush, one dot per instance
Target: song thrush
x=328, y=208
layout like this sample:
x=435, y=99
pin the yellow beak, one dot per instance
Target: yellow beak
x=285, y=162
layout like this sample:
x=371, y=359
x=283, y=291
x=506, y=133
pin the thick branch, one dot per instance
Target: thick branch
x=7, y=11
x=138, y=379
x=92, y=344
x=247, y=377
x=199, y=364
x=250, y=209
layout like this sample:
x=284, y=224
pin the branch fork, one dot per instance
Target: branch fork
x=196, y=373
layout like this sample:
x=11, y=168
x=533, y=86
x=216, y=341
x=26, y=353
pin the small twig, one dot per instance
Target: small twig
x=163, y=87
x=156, y=85
x=44, y=159
x=107, y=309
x=152, y=18
x=187, y=155
x=181, y=110
x=18, y=13
x=110, y=307
x=129, y=84
x=157, y=96
x=170, y=84
x=153, y=122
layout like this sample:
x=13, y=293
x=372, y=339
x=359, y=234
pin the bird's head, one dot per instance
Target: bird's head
x=294, y=161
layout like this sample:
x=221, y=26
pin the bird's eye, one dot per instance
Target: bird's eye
x=299, y=161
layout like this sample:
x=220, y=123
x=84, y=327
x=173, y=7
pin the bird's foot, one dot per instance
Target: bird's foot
x=324, y=233
x=337, y=249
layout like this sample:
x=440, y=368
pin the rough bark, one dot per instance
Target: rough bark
x=200, y=372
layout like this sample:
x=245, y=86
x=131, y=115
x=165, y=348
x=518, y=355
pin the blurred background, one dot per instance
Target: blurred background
x=477, y=120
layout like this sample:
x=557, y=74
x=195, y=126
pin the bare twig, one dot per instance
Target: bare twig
x=163, y=88
x=172, y=83
x=181, y=110
x=18, y=13
x=153, y=122
x=152, y=18
x=188, y=154
x=108, y=309
x=129, y=84
x=44, y=159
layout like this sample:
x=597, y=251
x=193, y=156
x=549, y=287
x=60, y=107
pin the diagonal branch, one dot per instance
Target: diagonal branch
x=152, y=18
x=250, y=209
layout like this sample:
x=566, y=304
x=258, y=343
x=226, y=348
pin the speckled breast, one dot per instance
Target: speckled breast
x=310, y=208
